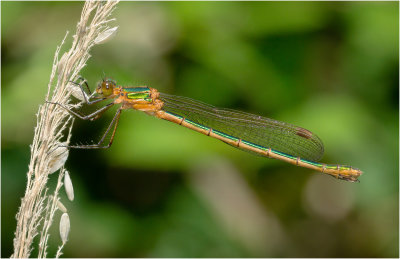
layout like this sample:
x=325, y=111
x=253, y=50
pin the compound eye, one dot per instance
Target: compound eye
x=107, y=88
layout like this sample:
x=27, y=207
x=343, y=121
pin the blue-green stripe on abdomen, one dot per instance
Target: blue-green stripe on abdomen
x=254, y=145
x=225, y=135
x=196, y=124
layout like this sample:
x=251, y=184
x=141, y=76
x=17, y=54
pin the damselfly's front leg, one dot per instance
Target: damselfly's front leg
x=115, y=121
x=93, y=116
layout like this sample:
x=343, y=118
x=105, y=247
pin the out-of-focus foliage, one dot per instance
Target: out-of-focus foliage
x=165, y=191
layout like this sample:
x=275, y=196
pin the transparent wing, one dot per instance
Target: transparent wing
x=281, y=136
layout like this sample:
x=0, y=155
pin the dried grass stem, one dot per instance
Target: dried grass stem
x=37, y=209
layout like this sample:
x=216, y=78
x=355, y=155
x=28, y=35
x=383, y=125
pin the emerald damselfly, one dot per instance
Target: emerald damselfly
x=257, y=134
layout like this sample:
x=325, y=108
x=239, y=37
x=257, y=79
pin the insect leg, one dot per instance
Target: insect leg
x=93, y=116
x=114, y=122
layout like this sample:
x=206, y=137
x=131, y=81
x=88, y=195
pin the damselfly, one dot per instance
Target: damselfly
x=259, y=135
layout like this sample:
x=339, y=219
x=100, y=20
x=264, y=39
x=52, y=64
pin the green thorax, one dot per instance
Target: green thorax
x=138, y=93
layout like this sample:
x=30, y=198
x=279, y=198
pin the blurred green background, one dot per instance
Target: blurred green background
x=164, y=191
